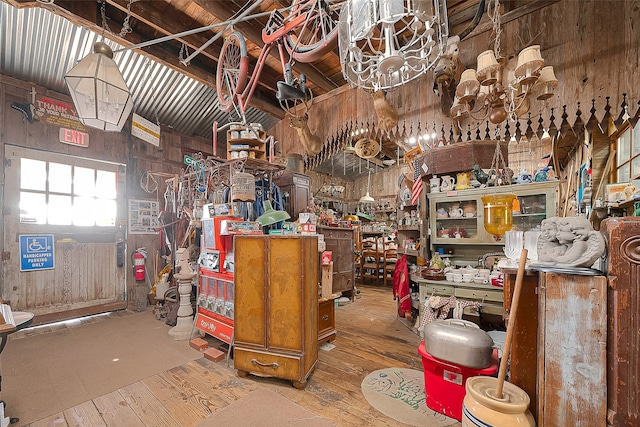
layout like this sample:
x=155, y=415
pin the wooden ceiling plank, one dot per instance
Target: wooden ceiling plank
x=487, y=25
x=153, y=18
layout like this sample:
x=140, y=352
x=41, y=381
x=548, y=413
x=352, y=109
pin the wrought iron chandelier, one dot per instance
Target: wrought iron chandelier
x=496, y=89
x=387, y=43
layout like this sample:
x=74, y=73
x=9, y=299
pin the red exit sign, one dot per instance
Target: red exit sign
x=74, y=137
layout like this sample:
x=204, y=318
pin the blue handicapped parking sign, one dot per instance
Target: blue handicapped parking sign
x=36, y=252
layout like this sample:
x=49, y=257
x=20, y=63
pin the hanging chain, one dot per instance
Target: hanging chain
x=153, y=93
x=497, y=29
x=498, y=161
x=126, y=28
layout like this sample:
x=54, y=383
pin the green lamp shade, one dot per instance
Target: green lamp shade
x=270, y=215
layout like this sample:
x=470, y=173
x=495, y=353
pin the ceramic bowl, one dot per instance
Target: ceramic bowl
x=484, y=272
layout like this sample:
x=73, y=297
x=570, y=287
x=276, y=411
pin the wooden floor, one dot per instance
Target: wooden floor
x=369, y=337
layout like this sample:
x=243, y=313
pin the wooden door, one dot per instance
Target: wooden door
x=571, y=352
x=286, y=295
x=251, y=281
x=74, y=207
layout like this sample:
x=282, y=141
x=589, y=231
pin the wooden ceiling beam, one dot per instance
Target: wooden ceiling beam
x=145, y=13
x=487, y=25
x=153, y=18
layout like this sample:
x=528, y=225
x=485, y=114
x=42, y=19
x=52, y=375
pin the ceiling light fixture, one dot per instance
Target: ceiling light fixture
x=498, y=90
x=100, y=94
x=270, y=215
x=387, y=43
x=367, y=198
x=332, y=190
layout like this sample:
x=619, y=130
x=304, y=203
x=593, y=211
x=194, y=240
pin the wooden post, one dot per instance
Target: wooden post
x=327, y=281
x=512, y=321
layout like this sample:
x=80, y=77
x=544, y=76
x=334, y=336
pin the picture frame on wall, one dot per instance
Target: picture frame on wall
x=143, y=216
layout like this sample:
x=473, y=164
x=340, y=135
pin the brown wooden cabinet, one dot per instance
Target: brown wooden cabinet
x=340, y=242
x=623, y=326
x=296, y=193
x=276, y=306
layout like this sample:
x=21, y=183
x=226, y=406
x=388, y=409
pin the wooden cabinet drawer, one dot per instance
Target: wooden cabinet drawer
x=326, y=319
x=495, y=309
x=267, y=364
x=442, y=290
x=479, y=294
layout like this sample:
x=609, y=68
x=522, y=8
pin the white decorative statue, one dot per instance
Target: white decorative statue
x=569, y=242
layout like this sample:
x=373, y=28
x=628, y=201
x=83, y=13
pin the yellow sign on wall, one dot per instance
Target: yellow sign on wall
x=145, y=130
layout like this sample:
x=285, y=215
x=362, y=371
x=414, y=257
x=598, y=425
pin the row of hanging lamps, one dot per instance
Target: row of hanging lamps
x=99, y=92
x=387, y=43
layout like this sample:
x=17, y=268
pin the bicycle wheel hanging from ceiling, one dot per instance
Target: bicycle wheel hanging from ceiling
x=319, y=33
x=307, y=42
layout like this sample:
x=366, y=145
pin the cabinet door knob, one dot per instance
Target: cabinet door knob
x=325, y=318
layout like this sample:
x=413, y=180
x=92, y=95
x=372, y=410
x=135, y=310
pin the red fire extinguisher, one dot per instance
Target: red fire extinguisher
x=139, y=257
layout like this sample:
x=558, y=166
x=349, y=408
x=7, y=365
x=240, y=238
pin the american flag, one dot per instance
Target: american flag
x=416, y=190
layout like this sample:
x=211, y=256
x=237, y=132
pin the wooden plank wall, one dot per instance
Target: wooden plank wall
x=592, y=45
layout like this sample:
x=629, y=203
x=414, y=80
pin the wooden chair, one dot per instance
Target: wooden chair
x=389, y=265
x=371, y=266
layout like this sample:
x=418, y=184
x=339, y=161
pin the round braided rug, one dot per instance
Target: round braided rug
x=399, y=394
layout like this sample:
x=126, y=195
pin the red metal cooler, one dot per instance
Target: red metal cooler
x=444, y=382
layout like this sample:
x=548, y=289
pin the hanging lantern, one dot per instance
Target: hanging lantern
x=99, y=92
x=498, y=214
x=243, y=187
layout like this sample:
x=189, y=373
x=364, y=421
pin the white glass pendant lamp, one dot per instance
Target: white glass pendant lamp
x=367, y=198
x=99, y=92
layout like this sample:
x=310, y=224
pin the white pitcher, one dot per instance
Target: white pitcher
x=448, y=183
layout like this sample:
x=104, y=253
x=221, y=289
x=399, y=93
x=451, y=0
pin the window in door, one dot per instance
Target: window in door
x=64, y=194
x=628, y=154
